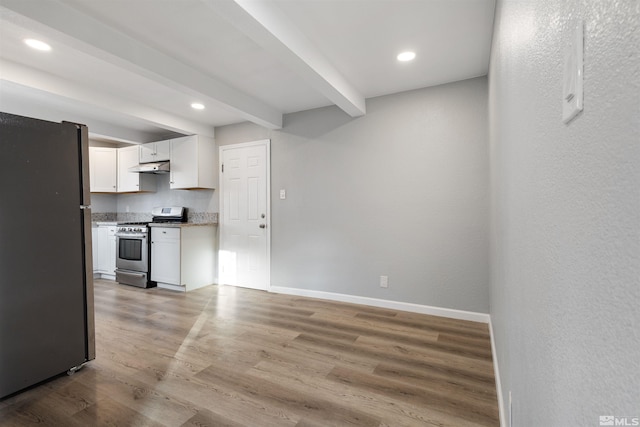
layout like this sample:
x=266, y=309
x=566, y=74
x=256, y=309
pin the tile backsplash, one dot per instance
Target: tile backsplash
x=192, y=217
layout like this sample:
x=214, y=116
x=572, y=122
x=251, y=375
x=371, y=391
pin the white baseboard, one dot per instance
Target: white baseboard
x=171, y=287
x=496, y=372
x=104, y=276
x=395, y=305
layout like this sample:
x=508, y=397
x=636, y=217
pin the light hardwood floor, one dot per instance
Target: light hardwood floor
x=225, y=356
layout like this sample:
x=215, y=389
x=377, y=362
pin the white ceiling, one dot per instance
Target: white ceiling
x=131, y=68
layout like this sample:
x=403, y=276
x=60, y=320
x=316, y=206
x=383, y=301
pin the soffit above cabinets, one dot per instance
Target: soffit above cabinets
x=132, y=68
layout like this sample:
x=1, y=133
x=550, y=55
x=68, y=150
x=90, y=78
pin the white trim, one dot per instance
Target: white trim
x=496, y=373
x=268, y=260
x=259, y=142
x=222, y=148
x=171, y=287
x=395, y=305
x=104, y=276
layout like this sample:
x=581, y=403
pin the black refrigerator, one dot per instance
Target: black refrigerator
x=46, y=279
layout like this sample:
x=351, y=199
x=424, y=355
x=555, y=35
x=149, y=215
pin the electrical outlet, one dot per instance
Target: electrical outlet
x=384, y=281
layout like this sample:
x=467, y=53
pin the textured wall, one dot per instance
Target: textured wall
x=402, y=191
x=565, y=295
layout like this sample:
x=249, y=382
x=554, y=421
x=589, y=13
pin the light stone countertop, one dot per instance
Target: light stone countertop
x=181, y=224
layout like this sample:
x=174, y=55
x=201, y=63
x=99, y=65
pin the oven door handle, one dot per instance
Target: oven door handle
x=132, y=236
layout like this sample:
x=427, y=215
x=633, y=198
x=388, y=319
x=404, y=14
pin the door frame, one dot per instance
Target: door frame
x=261, y=142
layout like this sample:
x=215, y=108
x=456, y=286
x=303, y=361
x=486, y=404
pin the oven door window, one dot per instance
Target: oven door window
x=130, y=249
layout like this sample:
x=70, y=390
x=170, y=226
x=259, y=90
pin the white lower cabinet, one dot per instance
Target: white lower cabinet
x=104, y=251
x=165, y=255
x=183, y=258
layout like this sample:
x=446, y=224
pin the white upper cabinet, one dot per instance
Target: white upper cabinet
x=102, y=168
x=159, y=151
x=129, y=182
x=163, y=150
x=193, y=163
x=147, y=152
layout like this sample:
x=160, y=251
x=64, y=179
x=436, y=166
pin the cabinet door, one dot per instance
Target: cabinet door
x=110, y=247
x=165, y=255
x=184, y=162
x=193, y=163
x=146, y=153
x=102, y=169
x=128, y=181
x=94, y=247
x=103, y=250
x=163, y=151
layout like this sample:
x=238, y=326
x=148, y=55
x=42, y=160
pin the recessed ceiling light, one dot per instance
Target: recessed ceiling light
x=406, y=56
x=197, y=106
x=37, y=44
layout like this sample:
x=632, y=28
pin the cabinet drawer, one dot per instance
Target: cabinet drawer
x=162, y=233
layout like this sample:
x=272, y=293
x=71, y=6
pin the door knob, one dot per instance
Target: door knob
x=263, y=225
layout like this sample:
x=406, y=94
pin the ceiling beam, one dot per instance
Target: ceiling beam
x=95, y=38
x=268, y=26
x=72, y=92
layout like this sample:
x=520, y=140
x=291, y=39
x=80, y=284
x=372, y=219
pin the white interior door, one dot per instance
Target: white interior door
x=244, y=215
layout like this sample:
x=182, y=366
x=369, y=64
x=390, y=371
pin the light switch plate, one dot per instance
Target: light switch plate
x=283, y=194
x=384, y=281
x=572, y=90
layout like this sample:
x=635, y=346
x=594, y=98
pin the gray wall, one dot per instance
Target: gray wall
x=402, y=191
x=565, y=295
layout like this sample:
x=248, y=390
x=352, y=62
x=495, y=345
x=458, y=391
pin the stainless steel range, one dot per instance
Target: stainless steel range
x=133, y=247
x=132, y=255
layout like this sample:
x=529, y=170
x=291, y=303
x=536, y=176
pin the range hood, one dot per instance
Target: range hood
x=159, y=167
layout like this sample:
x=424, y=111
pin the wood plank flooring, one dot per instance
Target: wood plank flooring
x=224, y=356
